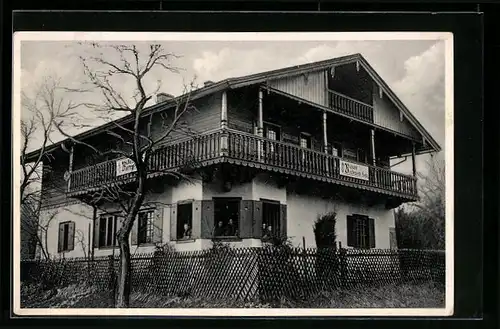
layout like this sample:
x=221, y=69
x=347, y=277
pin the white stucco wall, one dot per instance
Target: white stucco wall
x=81, y=214
x=303, y=210
x=50, y=219
x=265, y=187
x=214, y=190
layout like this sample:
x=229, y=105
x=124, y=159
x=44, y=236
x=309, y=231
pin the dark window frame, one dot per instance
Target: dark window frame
x=106, y=244
x=362, y=228
x=149, y=227
x=65, y=245
x=216, y=220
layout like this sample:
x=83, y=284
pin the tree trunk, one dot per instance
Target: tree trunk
x=124, y=281
x=123, y=294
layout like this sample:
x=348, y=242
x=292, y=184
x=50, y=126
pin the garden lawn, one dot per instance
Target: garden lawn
x=426, y=295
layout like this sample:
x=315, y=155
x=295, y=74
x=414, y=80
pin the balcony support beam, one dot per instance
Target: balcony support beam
x=70, y=166
x=372, y=147
x=223, y=114
x=260, y=119
x=413, y=159
x=325, y=136
x=260, y=125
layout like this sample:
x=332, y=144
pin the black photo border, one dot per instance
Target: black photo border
x=471, y=125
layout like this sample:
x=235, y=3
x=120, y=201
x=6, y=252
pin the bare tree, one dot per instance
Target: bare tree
x=37, y=131
x=422, y=225
x=108, y=68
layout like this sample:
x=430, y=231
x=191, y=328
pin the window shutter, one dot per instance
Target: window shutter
x=207, y=219
x=371, y=232
x=283, y=221
x=196, y=220
x=61, y=238
x=97, y=220
x=134, y=232
x=158, y=226
x=350, y=231
x=71, y=236
x=257, y=219
x=246, y=219
x=173, y=222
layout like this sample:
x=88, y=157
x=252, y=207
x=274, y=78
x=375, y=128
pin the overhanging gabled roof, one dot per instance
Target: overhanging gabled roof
x=253, y=79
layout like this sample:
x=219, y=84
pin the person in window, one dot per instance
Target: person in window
x=267, y=233
x=187, y=232
x=219, y=229
x=231, y=229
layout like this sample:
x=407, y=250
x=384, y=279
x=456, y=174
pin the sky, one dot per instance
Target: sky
x=414, y=69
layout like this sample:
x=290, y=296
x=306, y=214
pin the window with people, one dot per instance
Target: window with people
x=271, y=220
x=226, y=217
x=184, y=221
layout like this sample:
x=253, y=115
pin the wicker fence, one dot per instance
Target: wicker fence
x=265, y=274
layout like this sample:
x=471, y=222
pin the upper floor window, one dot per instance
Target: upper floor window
x=107, y=231
x=272, y=131
x=337, y=149
x=305, y=140
x=362, y=155
x=66, y=241
x=184, y=220
x=360, y=231
x=146, y=226
x=226, y=217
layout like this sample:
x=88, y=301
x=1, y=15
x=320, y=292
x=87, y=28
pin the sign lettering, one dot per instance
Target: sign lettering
x=125, y=166
x=354, y=170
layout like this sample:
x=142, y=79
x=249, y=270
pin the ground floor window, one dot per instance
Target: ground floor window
x=271, y=219
x=66, y=237
x=226, y=217
x=184, y=220
x=146, y=226
x=361, y=231
x=107, y=231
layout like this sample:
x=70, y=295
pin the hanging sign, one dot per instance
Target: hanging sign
x=354, y=170
x=125, y=166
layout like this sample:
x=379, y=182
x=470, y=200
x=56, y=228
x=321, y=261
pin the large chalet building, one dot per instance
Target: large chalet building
x=271, y=152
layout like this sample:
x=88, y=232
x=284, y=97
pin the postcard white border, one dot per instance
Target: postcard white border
x=228, y=36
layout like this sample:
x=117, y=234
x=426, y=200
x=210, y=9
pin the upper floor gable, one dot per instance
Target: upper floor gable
x=353, y=89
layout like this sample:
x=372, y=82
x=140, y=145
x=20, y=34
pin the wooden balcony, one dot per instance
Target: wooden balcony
x=249, y=150
x=350, y=106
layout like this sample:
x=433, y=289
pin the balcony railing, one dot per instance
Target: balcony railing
x=248, y=149
x=350, y=106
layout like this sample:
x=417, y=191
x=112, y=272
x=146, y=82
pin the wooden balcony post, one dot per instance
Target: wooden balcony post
x=223, y=114
x=260, y=126
x=413, y=159
x=70, y=166
x=372, y=152
x=325, y=141
x=224, y=143
x=372, y=146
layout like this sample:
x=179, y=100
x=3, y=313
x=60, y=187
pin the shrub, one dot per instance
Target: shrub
x=326, y=261
x=324, y=230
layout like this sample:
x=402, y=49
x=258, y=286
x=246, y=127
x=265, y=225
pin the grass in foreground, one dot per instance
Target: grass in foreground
x=389, y=296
